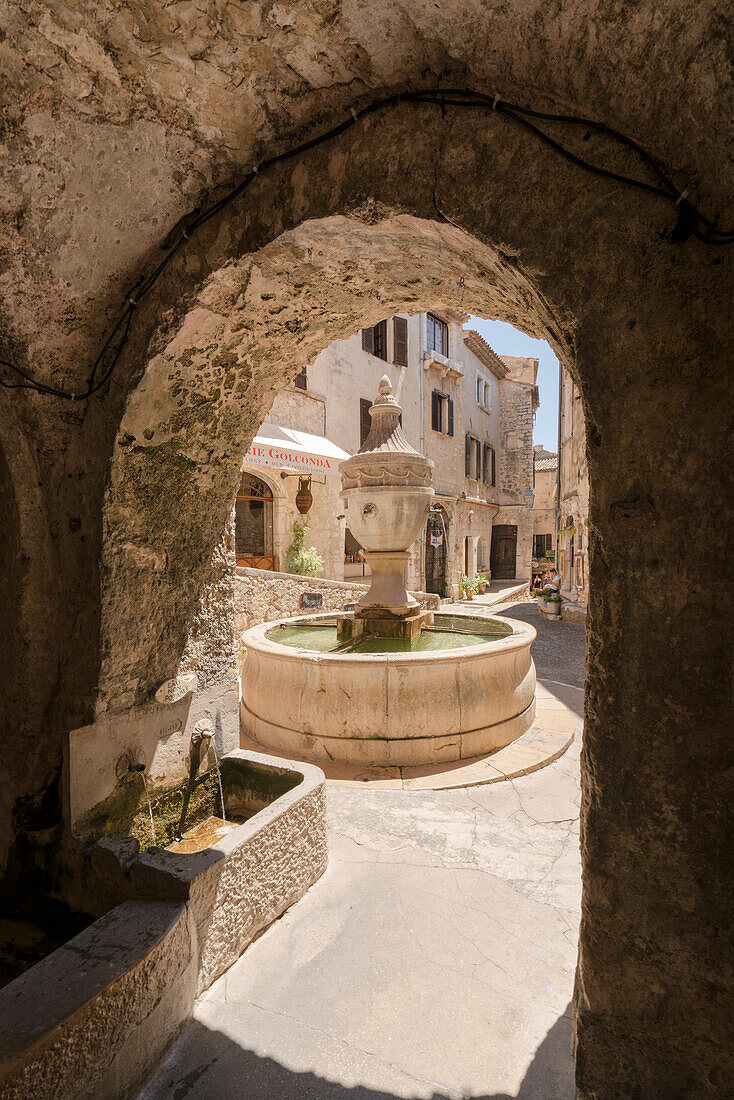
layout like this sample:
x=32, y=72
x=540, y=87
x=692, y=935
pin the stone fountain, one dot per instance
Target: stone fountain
x=389, y=684
x=387, y=491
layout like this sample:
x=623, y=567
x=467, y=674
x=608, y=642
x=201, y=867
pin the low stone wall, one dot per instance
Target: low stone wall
x=573, y=613
x=260, y=596
x=93, y=1018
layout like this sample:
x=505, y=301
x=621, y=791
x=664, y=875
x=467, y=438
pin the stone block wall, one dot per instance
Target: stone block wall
x=515, y=457
x=300, y=410
x=260, y=596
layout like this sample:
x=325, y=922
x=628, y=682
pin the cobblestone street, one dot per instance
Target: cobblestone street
x=436, y=956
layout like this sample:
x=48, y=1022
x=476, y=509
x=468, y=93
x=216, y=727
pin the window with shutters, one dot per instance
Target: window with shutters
x=365, y=420
x=301, y=380
x=374, y=340
x=437, y=335
x=472, y=457
x=542, y=545
x=400, y=341
x=488, y=467
x=442, y=413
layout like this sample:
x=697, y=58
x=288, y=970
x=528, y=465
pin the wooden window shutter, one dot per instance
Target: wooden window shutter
x=379, y=340
x=368, y=340
x=436, y=411
x=365, y=420
x=467, y=455
x=450, y=430
x=486, y=464
x=400, y=341
x=493, y=482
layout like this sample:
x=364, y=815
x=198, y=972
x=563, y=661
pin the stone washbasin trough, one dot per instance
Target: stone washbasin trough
x=94, y=1017
x=388, y=684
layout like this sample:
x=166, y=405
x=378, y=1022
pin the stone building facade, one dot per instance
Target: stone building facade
x=573, y=496
x=545, y=509
x=464, y=407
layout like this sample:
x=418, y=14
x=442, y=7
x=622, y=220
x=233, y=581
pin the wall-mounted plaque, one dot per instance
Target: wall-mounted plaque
x=171, y=691
x=311, y=600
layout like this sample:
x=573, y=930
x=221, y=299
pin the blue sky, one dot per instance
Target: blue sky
x=506, y=340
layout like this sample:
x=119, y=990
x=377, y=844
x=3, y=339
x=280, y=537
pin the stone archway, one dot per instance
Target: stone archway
x=642, y=323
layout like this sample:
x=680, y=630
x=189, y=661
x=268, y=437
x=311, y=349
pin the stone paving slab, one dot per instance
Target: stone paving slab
x=435, y=958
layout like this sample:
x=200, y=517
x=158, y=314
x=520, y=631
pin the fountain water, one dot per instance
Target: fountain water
x=219, y=781
x=389, y=684
x=140, y=769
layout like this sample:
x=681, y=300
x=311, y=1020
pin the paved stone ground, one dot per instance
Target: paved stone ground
x=434, y=959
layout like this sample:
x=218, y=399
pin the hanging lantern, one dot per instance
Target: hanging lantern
x=304, y=499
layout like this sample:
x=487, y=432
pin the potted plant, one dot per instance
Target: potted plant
x=540, y=596
x=468, y=586
x=482, y=583
x=553, y=601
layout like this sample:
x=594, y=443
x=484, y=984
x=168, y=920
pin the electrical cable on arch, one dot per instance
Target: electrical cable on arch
x=691, y=222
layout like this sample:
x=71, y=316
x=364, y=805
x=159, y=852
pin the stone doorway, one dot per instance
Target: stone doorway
x=436, y=551
x=503, y=555
x=253, y=527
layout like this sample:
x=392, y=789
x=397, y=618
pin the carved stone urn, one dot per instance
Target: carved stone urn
x=387, y=491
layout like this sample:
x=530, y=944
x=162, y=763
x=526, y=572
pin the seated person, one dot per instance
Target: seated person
x=552, y=581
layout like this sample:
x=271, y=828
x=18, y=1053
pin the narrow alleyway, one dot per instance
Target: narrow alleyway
x=434, y=959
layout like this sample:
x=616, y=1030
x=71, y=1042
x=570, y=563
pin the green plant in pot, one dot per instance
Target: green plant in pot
x=553, y=601
x=482, y=583
x=468, y=586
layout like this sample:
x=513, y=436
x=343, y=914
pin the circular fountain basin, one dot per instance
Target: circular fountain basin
x=460, y=690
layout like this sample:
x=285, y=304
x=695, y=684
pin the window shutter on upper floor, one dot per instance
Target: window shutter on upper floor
x=400, y=341
x=368, y=340
x=379, y=339
x=436, y=411
x=450, y=429
x=493, y=481
x=467, y=455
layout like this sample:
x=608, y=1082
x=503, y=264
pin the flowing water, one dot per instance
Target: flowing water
x=150, y=805
x=219, y=781
x=448, y=632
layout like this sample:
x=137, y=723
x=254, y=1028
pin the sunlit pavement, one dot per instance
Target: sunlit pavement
x=435, y=958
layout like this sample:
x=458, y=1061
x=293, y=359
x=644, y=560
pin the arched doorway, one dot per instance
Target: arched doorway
x=436, y=550
x=253, y=524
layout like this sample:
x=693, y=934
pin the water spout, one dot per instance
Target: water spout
x=202, y=735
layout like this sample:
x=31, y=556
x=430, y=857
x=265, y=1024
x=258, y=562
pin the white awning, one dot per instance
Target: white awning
x=287, y=449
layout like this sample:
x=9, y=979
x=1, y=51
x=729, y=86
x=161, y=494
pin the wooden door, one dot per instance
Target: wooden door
x=254, y=524
x=503, y=556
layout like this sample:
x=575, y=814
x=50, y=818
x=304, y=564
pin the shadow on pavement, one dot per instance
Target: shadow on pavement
x=208, y=1064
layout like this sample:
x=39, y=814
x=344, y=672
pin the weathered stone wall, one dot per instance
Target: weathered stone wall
x=544, y=505
x=515, y=458
x=295, y=408
x=114, y=129
x=573, y=516
x=260, y=596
